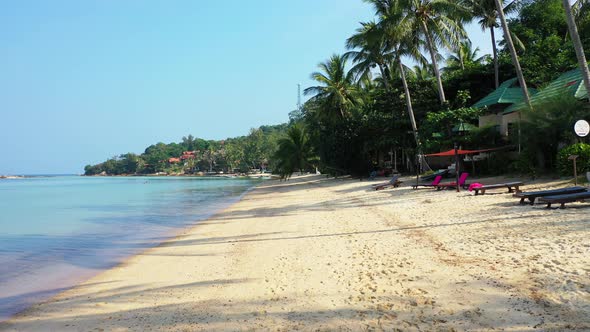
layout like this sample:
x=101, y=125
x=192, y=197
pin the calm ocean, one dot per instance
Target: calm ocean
x=58, y=231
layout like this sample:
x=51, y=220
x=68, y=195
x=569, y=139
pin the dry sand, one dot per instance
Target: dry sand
x=318, y=254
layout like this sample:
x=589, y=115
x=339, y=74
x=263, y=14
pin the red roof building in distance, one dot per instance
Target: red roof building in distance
x=173, y=160
x=188, y=155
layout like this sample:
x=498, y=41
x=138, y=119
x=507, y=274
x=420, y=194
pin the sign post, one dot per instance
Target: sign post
x=574, y=157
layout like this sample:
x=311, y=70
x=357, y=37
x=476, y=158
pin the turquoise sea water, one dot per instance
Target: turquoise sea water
x=58, y=231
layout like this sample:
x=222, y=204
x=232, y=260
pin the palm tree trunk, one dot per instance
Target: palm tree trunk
x=385, y=78
x=409, y=103
x=515, y=61
x=571, y=23
x=495, y=51
x=412, y=120
x=441, y=92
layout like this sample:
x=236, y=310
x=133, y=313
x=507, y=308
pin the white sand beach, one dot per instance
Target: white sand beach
x=333, y=254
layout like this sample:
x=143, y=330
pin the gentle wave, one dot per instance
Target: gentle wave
x=58, y=231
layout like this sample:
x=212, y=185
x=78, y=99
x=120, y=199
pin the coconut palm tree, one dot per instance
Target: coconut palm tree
x=369, y=50
x=514, y=56
x=464, y=54
x=421, y=73
x=294, y=152
x=397, y=36
x=337, y=92
x=436, y=23
x=487, y=15
x=573, y=30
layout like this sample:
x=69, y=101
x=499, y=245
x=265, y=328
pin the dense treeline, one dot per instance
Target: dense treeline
x=240, y=154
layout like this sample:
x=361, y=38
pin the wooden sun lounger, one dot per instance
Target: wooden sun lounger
x=512, y=187
x=394, y=182
x=532, y=195
x=562, y=199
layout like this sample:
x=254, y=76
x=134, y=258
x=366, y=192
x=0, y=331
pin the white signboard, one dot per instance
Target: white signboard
x=582, y=128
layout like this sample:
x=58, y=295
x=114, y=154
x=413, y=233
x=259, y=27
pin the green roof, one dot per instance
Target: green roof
x=568, y=83
x=506, y=93
x=463, y=127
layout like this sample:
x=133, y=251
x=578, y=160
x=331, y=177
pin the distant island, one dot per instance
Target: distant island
x=195, y=156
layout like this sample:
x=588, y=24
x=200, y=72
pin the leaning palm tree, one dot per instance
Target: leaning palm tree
x=436, y=23
x=514, y=56
x=294, y=152
x=573, y=30
x=487, y=14
x=337, y=92
x=396, y=33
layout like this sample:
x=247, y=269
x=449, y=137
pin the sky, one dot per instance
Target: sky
x=83, y=81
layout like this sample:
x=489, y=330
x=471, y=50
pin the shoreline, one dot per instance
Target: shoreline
x=230, y=176
x=82, y=276
x=312, y=253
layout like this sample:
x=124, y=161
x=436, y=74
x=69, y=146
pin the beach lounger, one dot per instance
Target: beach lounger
x=562, y=199
x=436, y=181
x=450, y=185
x=512, y=187
x=394, y=182
x=532, y=195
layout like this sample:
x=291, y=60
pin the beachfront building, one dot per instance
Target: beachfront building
x=498, y=102
x=505, y=103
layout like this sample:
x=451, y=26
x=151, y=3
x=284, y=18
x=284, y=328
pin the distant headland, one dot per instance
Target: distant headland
x=248, y=155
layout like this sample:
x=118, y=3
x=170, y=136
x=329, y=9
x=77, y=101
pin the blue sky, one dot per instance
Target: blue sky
x=83, y=81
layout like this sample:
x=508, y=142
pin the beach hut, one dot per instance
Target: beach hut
x=497, y=102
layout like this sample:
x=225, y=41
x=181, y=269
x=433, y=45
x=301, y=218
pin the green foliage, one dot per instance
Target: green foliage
x=565, y=166
x=550, y=126
x=294, y=152
x=542, y=28
x=241, y=153
x=337, y=93
x=443, y=124
x=525, y=164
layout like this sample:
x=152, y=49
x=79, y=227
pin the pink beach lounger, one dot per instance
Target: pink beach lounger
x=434, y=183
x=453, y=184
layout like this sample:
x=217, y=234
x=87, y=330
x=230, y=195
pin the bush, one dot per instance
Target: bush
x=565, y=166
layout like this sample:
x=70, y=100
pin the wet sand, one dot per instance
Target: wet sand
x=319, y=254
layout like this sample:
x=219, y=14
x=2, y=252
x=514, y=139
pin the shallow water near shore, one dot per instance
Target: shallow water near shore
x=58, y=231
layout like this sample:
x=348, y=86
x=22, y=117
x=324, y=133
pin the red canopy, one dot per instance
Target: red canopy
x=451, y=152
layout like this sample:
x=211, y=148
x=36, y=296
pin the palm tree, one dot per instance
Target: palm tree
x=464, y=54
x=396, y=34
x=337, y=92
x=573, y=30
x=294, y=152
x=421, y=73
x=372, y=52
x=436, y=23
x=515, y=62
x=486, y=12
